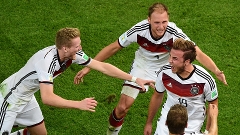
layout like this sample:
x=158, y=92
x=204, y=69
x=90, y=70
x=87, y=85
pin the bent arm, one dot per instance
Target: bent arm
x=209, y=119
x=154, y=105
x=213, y=112
x=108, y=51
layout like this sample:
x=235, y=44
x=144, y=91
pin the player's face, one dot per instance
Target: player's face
x=158, y=22
x=76, y=46
x=177, y=62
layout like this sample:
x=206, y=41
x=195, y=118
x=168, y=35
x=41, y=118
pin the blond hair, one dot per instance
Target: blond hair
x=65, y=35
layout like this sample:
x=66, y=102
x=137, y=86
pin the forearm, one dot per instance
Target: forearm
x=213, y=130
x=60, y=102
x=108, y=51
x=154, y=105
x=113, y=71
x=207, y=62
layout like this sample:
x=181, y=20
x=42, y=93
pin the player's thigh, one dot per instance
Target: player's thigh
x=30, y=115
x=7, y=121
x=39, y=129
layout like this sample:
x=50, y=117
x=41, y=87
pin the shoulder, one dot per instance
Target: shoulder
x=139, y=27
x=164, y=68
x=202, y=73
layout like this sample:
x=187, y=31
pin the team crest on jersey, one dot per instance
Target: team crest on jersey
x=194, y=90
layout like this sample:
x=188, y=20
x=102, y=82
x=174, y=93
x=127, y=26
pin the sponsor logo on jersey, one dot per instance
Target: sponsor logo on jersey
x=214, y=94
x=85, y=57
x=194, y=90
x=122, y=38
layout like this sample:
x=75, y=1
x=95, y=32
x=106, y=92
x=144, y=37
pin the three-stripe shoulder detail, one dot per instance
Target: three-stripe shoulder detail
x=207, y=77
x=52, y=65
x=175, y=32
x=165, y=67
x=138, y=28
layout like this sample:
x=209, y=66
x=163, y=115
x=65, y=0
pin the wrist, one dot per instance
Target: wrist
x=133, y=79
x=218, y=72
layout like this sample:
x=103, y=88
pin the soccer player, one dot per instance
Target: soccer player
x=186, y=84
x=18, y=104
x=177, y=118
x=155, y=37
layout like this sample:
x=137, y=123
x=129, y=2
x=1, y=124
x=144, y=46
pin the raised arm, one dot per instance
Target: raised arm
x=207, y=62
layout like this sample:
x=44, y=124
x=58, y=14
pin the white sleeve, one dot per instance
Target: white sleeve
x=130, y=36
x=159, y=83
x=211, y=91
x=82, y=58
x=44, y=73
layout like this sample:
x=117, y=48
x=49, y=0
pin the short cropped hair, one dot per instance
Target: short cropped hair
x=65, y=35
x=187, y=47
x=177, y=118
x=160, y=7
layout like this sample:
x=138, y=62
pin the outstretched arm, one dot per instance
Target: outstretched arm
x=207, y=62
x=113, y=71
x=104, y=54
x=49, y=98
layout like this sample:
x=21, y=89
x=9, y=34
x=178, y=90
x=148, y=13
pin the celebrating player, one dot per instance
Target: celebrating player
x=177, y=118
x=186, y=84
x=18, y=104
x=155, y=37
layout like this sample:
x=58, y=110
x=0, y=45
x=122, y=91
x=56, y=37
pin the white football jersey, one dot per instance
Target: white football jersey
x=42, y=67
x=149, y=47
x=192, y=92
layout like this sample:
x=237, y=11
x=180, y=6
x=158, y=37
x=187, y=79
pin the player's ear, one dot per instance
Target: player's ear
x=149, y=19
x=187, y=62
x=65, y=48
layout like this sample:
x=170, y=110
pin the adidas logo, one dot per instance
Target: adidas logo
x=169, y=84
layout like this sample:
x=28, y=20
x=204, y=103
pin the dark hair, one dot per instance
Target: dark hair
x=187, y=47
x=177, y=118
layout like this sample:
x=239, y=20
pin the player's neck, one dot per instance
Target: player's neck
x=61, y=55
x=187, y=71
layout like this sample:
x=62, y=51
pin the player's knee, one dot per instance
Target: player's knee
x=122, y=109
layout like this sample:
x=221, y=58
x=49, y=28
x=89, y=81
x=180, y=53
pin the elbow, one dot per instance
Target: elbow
x=46, y=101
